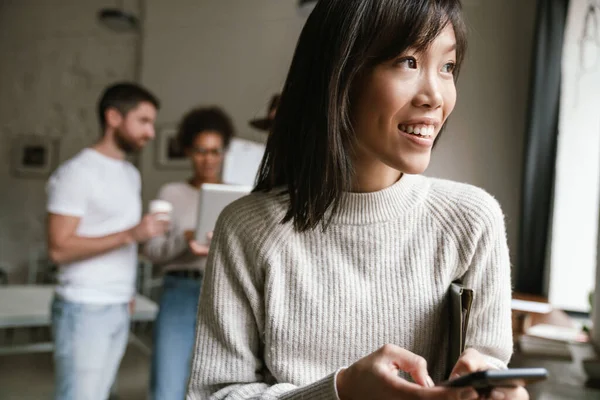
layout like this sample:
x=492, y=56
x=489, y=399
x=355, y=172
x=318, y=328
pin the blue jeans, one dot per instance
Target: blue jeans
x=174, y=337
x=89, y=342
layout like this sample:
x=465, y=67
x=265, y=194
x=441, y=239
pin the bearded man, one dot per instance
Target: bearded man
x=94, y=227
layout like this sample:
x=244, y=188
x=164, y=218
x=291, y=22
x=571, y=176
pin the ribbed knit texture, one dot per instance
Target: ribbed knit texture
x=280, y=311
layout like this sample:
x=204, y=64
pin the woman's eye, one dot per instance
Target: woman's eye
x=408, y=62
x=449, y=67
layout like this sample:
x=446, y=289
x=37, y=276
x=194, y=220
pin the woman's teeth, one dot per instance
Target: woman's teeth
x=418, y=130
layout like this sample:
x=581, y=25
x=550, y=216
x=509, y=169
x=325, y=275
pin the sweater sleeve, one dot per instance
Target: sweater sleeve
x=228, y=360
x=488, y=273
x=165, y=248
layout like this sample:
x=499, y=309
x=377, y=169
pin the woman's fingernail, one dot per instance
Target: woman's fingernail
x=468, y=394
x=498, y=395
x=430, y=382
x=454, y=376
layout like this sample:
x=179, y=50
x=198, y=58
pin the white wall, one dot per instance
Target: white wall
x=233, y=53
x=574, y=242
x=55, y=61
x=484, y=142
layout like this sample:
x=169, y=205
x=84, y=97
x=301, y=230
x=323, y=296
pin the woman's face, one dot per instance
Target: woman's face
x=400, y=106
x=207, y=153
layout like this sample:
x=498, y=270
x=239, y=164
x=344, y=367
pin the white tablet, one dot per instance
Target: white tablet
x=213, y=199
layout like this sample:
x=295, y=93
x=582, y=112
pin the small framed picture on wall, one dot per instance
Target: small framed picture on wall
x=34, y=156
x=169, y=155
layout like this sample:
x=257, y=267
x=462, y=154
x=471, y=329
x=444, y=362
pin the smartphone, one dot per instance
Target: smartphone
x=485, y=380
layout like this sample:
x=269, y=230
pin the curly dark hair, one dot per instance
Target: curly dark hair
x=203, y=119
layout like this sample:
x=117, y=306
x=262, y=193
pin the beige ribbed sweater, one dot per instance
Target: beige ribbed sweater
x=280, y=312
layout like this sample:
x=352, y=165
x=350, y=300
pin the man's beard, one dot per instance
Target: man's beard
x=127, y=145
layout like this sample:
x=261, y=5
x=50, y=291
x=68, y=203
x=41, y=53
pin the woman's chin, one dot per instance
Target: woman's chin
x=209, y=177
x=414, y=166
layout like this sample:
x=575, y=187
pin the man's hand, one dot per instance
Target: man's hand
x=131, y=306
x=150, y=226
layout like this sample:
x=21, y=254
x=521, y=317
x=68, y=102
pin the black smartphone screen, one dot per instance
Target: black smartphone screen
x=499, y=378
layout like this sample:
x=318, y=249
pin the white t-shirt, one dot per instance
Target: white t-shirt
x=105, y=194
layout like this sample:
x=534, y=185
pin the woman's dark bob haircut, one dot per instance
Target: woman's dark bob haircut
x=309, y=152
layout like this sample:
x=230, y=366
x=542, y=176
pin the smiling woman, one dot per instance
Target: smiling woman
x=331, y=279
x=203, y=135
x=381, y=54
x=399, y=109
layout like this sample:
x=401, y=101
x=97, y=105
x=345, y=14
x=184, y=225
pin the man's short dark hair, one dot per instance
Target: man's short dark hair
x=204, y=119
x=124, y=97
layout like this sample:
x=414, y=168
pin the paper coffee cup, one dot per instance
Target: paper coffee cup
x=162, y=208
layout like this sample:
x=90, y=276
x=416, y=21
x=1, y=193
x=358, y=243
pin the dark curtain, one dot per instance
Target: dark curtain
x=540, y=145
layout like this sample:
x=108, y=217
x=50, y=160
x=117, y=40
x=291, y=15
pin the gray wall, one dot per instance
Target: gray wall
x=236, y=54
x=484, y=142
x=55, y=61
x=233, y=53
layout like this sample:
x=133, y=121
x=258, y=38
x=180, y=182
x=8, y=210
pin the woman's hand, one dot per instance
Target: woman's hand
x=197, y=249
x=518, y=393
x=472, y=361
x=376, y=377
x=189, y=235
